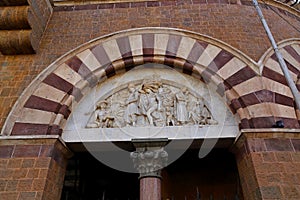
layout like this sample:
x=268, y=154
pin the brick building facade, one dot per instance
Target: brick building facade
x=52, y=54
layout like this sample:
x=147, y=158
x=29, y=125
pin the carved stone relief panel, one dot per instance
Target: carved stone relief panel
x=151, y=102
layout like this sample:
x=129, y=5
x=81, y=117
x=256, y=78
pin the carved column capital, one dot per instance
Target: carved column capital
x=150, y=161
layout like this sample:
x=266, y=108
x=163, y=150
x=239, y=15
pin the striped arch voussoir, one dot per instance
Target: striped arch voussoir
x=275, y=84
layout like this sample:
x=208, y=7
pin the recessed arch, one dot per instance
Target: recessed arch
x=272, y=74
x=46, y=104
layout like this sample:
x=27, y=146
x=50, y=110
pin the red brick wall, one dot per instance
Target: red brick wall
x=16, y=73
x=237, y=25
x=32, y=169
x=269, y=165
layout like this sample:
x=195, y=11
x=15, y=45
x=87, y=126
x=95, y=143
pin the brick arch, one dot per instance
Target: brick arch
x=47, y=103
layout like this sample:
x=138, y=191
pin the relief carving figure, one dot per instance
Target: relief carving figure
x=149, y=99
x=102, y=117
x=131, y=112
x=151, y=103
x=196, y=112
x=207, y=117
x=167, y=106
x=181, y=106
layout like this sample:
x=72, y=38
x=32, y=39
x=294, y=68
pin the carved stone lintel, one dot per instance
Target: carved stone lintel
x=149, y=162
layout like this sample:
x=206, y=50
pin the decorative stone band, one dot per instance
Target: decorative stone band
x=259, y=101
x=149, y=162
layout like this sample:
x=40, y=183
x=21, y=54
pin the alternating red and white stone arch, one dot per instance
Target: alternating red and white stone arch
x=278, y=96
x=47, y=103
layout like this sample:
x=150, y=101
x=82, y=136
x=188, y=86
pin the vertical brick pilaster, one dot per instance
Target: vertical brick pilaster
x=32, y=168
x=269, y=165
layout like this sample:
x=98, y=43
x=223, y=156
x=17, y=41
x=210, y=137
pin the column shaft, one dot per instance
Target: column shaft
x=150, y=188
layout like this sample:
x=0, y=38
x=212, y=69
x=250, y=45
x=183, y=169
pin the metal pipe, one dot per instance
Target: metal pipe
x=281, y=61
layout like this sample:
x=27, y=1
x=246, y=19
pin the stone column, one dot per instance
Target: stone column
x=149, y=158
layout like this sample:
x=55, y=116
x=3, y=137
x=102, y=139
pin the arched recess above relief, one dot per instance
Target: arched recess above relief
x=282, y=5
x=46, y=104
x=281, y=44
x=290, y=51
x=274, y=80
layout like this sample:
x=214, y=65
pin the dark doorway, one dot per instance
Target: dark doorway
x=88, y=179
x=214, y=177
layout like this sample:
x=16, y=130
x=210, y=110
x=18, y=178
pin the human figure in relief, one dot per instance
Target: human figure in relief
x=102, y=117
x=196, y=112
x=201, y=115
x=181, y=106
x=207, y=116
x=149, y=100
x=168, y=99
